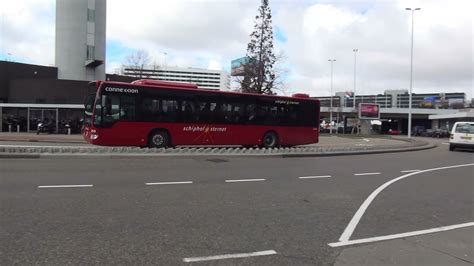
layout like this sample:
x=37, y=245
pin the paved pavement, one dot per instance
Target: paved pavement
x=33, y=137
x=261, y=211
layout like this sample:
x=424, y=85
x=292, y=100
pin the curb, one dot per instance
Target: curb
x=23, y=153
x=418, y=148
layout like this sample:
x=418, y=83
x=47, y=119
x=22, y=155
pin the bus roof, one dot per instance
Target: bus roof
x=158, y=84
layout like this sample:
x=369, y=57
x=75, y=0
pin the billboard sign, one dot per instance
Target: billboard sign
x=369, y=111
x=237, y=66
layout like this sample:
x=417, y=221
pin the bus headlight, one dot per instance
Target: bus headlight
x=94, y=134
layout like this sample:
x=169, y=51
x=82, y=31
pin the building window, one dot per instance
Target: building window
x=90, y=15
x=90, y=52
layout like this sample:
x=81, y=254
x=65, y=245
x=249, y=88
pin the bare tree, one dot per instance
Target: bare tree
x=244, y=81
x=259, y=75
x=135, y=63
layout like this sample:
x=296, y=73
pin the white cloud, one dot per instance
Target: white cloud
x=204, y=33
x=27, y=31
x=214, y=65
x=443, y=53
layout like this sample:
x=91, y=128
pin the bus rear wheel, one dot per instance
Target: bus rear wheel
x=270, y=140
x=158, y=139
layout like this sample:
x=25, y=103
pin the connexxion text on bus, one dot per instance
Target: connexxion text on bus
x=150, y=113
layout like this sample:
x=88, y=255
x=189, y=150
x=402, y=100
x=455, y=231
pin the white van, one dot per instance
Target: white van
x=462, y=136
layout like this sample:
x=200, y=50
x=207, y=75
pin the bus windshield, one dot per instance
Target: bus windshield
x=88, y=108
x=110, y=108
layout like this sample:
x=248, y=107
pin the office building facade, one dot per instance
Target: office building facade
x=203, y=78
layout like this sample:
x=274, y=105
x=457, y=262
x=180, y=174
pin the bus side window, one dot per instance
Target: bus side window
x=170, y=110
x=150, y=109
x=238, y=113
x=127, y=108
x=188, y=111
x=251, y=113
x=204, y=111
x=262, y=114
x=111, y=108
x=225, y=114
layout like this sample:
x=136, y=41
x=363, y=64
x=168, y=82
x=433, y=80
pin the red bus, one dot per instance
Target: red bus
x=150, y=113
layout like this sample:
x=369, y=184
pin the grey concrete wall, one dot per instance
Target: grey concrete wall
x=71, y=39
x=50, y=91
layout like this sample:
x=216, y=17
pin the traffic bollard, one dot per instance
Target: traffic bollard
x=69, y=131
x=17, y=128
x=9, y=128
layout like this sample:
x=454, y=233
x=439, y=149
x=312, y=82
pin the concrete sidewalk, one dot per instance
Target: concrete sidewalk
x=32, y=137
x=454, y=247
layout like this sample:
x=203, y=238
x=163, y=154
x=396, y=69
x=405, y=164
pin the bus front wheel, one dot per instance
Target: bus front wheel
x=158, y=139
x=270, y=140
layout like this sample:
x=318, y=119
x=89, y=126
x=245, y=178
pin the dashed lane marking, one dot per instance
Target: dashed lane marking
x=244, y=180
x=360, y=174
x=231, y=256
x=169, y=183
x=65, y=186
x=314, y=177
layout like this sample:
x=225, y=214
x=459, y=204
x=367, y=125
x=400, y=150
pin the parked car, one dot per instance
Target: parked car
x=441, y=133
x=394, y=132
x=428, y=133
x=462, y=136
x=418, y=130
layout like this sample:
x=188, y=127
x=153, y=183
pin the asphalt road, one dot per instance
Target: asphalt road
x=116, y=218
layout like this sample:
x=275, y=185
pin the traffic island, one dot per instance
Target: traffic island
x=333, y=146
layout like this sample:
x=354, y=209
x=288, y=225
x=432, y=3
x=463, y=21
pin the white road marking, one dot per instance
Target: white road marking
x=64, y=186
x=169, y=183
x=314, y=177
x=410, y=171
x=360, y=212
x=231, y=256
x=366, y=140
x=402, y=235
x=445, y=143
x=377, y=173
x=244, y=180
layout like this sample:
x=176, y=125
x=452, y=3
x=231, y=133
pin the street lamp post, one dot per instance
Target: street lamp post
x=354, y=92
x=411, y=67
x=330, y=109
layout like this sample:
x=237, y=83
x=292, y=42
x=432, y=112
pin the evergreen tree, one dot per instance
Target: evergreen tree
x=259, y=75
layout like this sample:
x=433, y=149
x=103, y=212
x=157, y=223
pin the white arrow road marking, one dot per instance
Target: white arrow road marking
x=402, y=235
x=360, y=212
